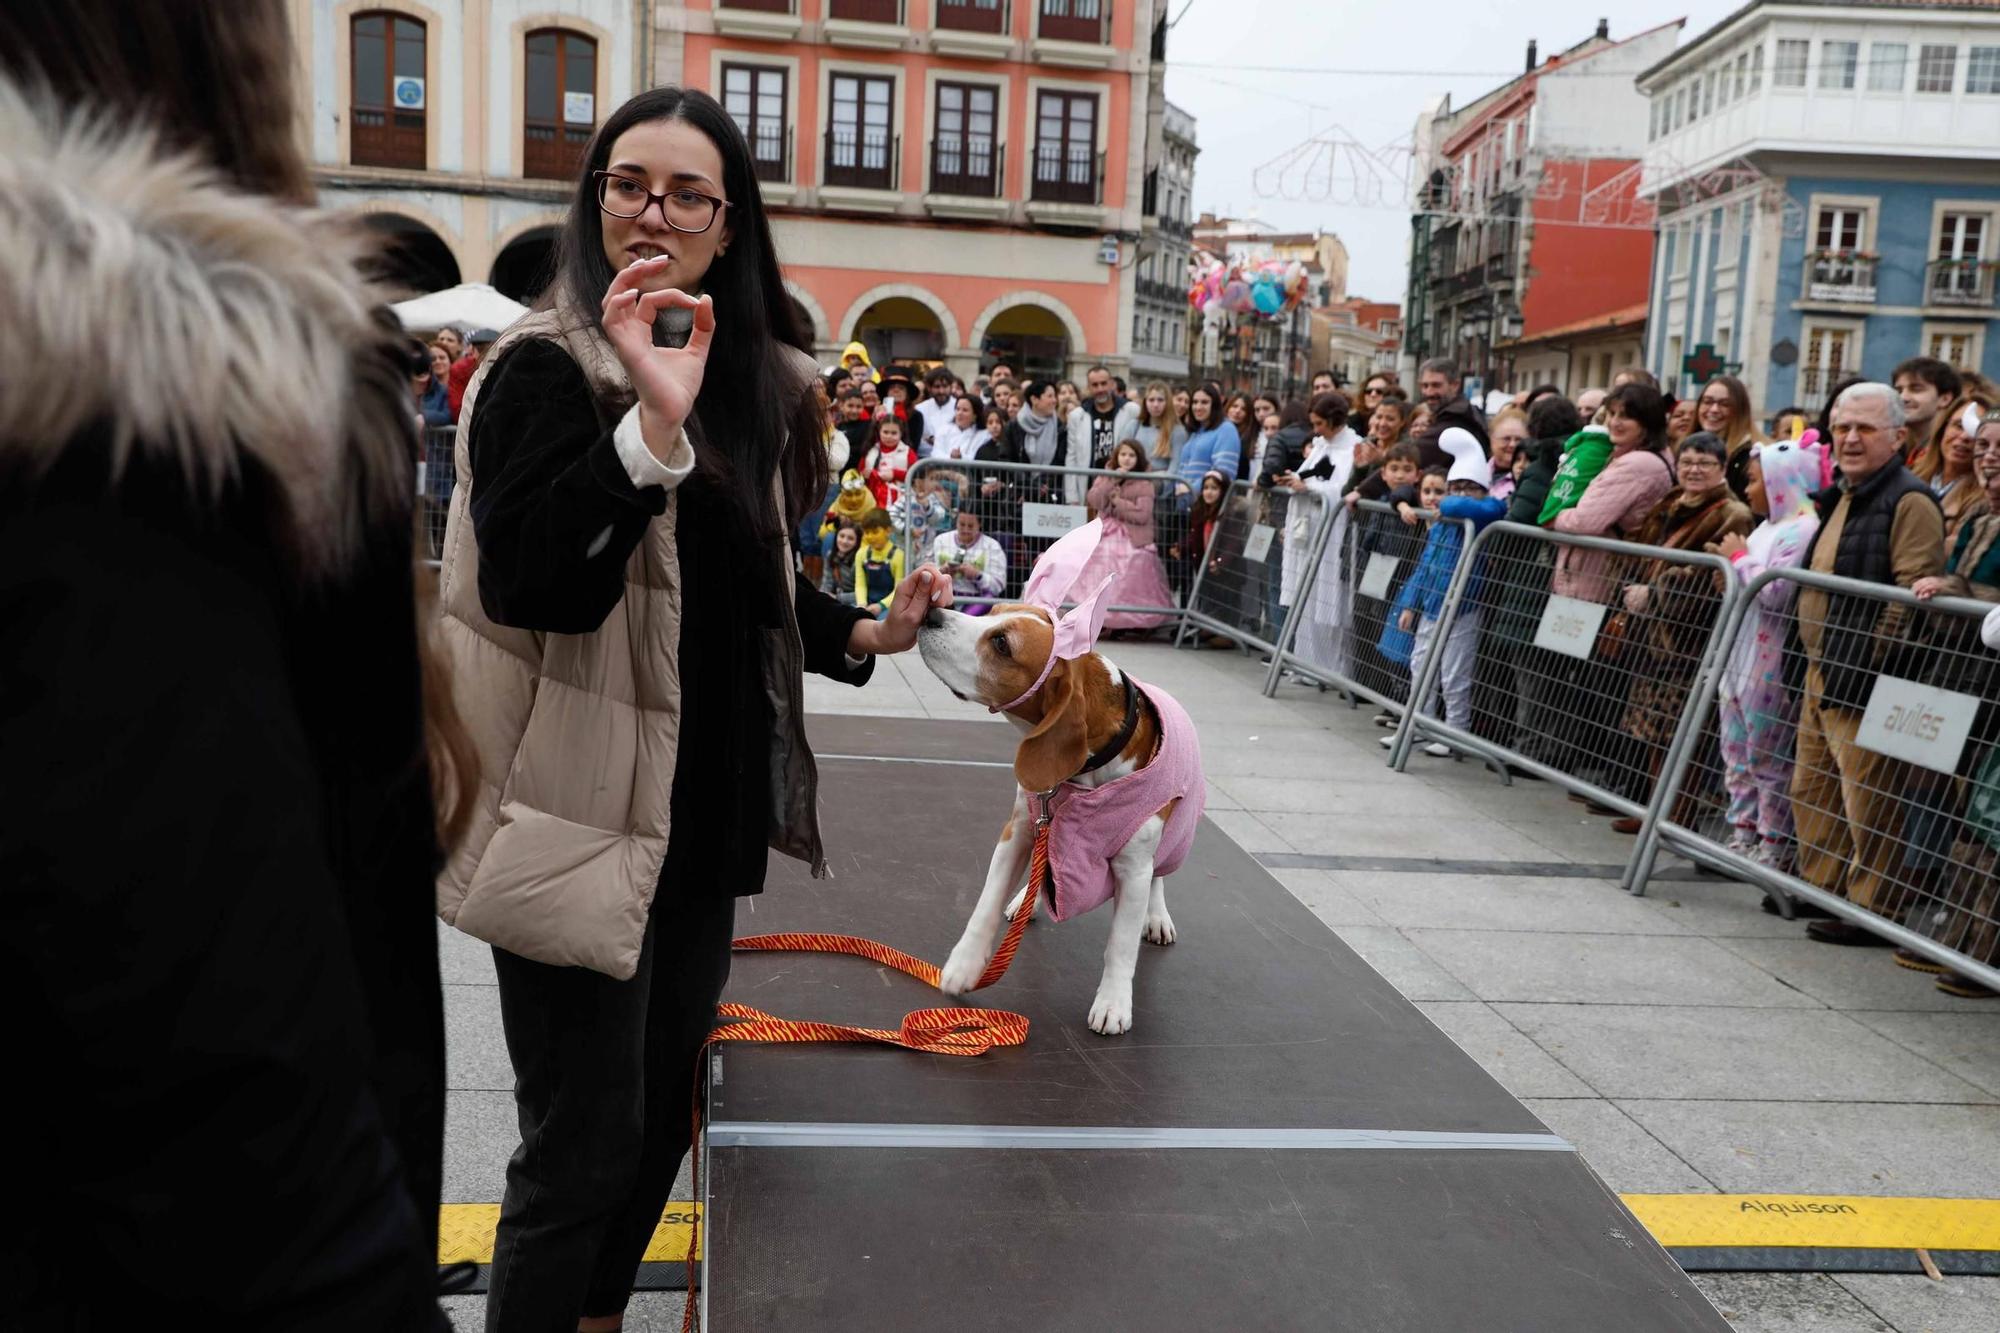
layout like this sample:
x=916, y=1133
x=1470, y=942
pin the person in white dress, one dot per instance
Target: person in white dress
x=1329, y=463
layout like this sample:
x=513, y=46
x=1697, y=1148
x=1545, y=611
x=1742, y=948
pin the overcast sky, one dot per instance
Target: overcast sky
x=1248, y=116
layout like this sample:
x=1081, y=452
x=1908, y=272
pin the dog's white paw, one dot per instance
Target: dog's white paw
x=1015, y=903
x=1159, y=927
x=961, y=971
x=1111, y=1012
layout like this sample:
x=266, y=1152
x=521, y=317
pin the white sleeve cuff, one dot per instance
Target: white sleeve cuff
x=641, y=465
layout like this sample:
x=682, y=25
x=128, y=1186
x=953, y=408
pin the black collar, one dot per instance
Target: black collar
x=1105, y=753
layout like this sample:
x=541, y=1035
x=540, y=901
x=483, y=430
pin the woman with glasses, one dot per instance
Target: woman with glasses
x=1947, y=463
x=629, y=634
x=1723, y=410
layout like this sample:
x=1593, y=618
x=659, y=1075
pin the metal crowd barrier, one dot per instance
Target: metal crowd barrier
x=1234, y=593
x=1342, y=630
x=436, y=479
x=1024, y=508
x=1867, y=767
x=1601, y=687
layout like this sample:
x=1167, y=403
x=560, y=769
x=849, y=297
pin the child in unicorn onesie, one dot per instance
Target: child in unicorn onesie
x=1758, y=713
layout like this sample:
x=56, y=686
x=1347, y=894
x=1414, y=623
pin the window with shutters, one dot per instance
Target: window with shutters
x=860, y=132
x=1066, y=165
x=965, y=154
x=1957, y=347
x=1962, y=274
x=561, y=103
x=1829, y=353
x=386, y=126
x=755, y=96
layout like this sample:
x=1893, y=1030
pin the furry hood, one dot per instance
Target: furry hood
x=200, y=324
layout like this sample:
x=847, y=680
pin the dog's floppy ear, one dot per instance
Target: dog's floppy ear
x=1060, y=743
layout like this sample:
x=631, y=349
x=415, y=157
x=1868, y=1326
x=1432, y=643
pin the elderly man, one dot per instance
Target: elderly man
x=1879, y=524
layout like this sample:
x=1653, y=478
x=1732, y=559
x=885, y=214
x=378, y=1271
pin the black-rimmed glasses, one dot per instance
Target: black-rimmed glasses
x=685, y=210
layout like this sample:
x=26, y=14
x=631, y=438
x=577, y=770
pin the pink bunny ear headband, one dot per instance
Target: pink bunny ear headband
x=1055, y=574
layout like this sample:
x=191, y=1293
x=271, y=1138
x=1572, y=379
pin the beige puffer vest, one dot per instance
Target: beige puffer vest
x=577, y=734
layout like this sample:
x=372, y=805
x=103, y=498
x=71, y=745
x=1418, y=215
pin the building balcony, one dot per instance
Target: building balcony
x=1073, y=32
x=771, y=163
x=1165, y=293
x=868, y=25
x=1839, y=277
x=765, y=20
x=1459, y=284
x=973, y=29
x=861, y=170
x=1067, y=189
x=1963, y=283
x=966, y=172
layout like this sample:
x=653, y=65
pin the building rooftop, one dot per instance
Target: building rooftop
x=1726, y=25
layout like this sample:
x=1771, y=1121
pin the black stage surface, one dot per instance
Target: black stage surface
x=1282, y=1141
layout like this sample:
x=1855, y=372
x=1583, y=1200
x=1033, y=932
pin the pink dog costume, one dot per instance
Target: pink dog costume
x=1089, y=825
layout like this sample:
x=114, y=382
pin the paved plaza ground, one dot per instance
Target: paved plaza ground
x=1686, y=1042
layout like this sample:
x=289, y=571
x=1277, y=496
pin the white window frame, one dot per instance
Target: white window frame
x=1847, y=68
x=1880, y=67
x=1857, y=331
x=1868, y=205
x=1991, y=84
x=1951, y=72
x=1781, y=73
x=1974, y=331
x=1989, y=236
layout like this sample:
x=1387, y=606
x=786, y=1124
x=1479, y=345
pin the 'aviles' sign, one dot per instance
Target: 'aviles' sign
x=1920, y=724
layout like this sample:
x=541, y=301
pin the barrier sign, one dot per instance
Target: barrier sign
x=1040, y=520
x=1376, y=578
x=1920, y=724
x=1569, y=625
x=1257, y=546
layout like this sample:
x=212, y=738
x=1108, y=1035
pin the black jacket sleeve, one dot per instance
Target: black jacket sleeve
x=824, y=625
x=555, y=514
x=175, y=962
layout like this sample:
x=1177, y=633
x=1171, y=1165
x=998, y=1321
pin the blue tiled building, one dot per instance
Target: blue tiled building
x=1827, y=182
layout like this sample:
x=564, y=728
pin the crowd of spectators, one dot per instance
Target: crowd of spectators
x=1897, y=484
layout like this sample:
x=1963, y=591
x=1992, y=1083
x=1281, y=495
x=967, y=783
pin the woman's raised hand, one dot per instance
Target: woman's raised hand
x=667, y=379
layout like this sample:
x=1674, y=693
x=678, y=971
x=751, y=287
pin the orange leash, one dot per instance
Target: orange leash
x=944, y=1031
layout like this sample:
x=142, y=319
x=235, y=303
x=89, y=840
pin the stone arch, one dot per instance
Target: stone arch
x=1029, y=296
x=922, y=296
x=419, y=243
x=531, y=235
x=822, y=332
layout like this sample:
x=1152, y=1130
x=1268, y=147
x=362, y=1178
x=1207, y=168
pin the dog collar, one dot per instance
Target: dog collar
x=1105, y=753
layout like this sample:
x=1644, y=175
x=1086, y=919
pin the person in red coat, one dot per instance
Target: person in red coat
x=461, y=369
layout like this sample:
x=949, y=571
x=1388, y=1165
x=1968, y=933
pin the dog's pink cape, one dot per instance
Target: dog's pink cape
x=1092, y=825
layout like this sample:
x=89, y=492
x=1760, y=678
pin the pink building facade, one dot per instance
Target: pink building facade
x=956, y=181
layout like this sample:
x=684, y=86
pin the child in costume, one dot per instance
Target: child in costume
x=878, y=564
x=1587, y=453
x=849, y=507
x=1758, y=713
x=889, y=460
x=1467, y=496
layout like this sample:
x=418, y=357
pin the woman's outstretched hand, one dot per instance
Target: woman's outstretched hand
x=667, y=379
x=897, y=631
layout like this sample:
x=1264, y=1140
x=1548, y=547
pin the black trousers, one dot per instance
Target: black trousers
x=604, y=1089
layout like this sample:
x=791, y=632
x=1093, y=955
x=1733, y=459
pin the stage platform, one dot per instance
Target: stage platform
x=1282, y=1142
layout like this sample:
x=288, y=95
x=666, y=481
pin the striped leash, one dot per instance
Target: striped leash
x=943, y=1031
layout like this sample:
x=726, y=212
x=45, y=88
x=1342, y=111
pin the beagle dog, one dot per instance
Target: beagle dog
x=1111, y=764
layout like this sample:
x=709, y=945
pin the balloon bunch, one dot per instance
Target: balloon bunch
x=1265, y=289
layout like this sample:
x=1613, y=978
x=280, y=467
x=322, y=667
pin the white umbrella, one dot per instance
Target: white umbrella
x=470, y=305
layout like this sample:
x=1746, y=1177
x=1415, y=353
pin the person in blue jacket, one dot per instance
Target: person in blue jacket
x=1466, y=497
x=1214, y=446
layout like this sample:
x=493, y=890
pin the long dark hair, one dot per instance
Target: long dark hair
x=1645, y=405
x=755, y=413
x=1216, y=416
x=1246, y=430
